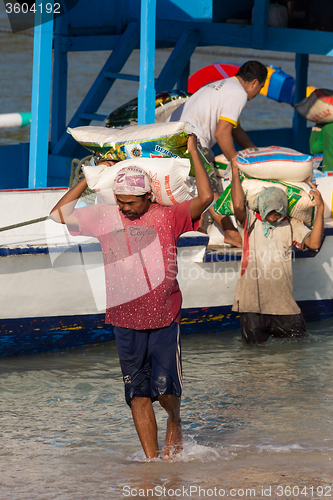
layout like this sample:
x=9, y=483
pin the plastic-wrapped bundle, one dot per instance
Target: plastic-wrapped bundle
x=166, y=103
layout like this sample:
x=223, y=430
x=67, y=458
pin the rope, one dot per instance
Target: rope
x=75, y=177
x=26, y=223
x=77, y=174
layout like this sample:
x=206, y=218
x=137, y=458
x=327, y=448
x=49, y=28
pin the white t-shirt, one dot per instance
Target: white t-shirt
x=265, y=284
x=221, y=100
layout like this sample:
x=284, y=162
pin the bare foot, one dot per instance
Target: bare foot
x=202, y=230
x=232, y=237
x=173, y=440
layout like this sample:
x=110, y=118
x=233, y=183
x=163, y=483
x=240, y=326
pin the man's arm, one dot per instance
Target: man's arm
x=314, y=240
x=237, y=194
x=223, y=136
x=63, y=211
x=242, y=138
x=205, y=193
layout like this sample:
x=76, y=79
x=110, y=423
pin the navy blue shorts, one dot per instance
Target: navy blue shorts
x=150, y=361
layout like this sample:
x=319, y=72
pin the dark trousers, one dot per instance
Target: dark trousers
x=256, y=328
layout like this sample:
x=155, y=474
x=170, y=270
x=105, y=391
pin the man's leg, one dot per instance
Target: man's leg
x=255, y=329
x=291, y=325
x=134, y=360
x=145, y=424
x=166, y=382
x=173, y=439
x=231, y=234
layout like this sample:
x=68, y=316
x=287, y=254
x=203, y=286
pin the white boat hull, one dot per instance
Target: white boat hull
x=53, y=291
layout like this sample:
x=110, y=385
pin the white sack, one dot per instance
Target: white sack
x=275, y=162
x=167, y=177
x=318, y=107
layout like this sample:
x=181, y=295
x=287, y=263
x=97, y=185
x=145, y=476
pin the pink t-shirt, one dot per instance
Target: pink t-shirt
x=140, y=262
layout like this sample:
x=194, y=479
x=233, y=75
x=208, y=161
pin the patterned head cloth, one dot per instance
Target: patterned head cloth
x=268, y=200
x=131, y=181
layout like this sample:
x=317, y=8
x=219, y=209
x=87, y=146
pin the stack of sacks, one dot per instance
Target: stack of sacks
x=274, y=166
x=158, y=140
x=156, y=144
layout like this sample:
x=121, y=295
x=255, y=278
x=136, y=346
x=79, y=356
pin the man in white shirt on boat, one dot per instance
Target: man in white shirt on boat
x=214, y=112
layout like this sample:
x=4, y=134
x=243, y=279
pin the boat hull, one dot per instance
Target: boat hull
x=26, y=336
x=52, y=292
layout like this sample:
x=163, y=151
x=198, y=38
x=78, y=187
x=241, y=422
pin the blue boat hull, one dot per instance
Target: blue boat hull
x=35, y=335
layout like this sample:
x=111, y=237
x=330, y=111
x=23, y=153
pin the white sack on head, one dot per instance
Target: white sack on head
x=167, y=178
x=301, y=205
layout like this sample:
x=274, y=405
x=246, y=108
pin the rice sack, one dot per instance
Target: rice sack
x=223, y=166
x=167, y=177
x=274, y=162
x=318, y=107
x=301, y=204
x=157, y=140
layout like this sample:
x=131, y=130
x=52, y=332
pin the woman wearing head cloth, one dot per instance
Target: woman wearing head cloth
x=264, y=293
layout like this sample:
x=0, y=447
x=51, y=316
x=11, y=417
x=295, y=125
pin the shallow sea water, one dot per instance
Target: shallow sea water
x=253, y=418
